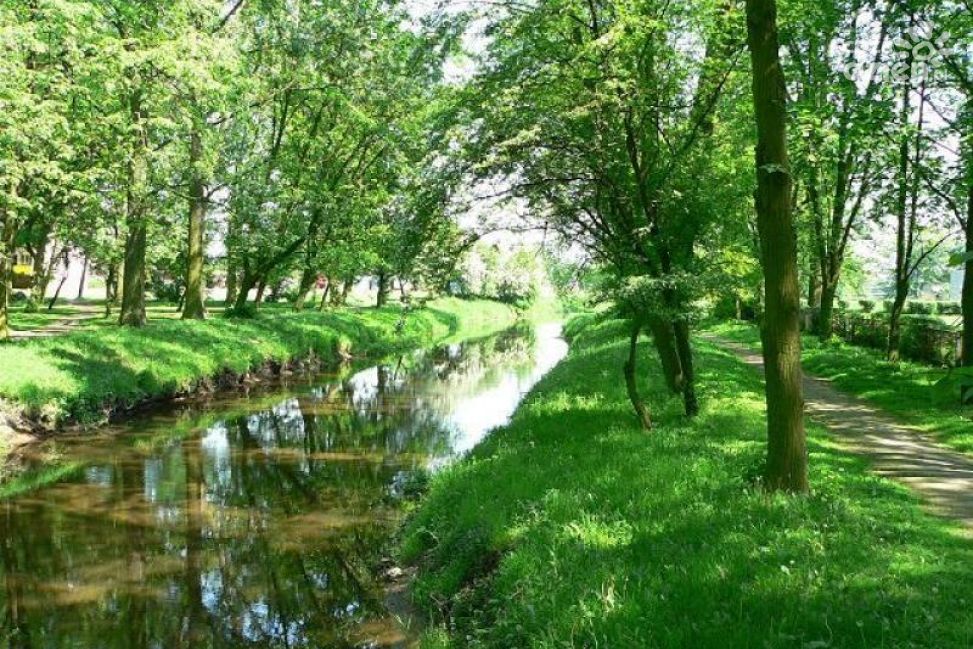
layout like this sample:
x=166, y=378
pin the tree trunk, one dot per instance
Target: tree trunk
x=111, y=288
x=641, y=411
x=664, y=339
x=42, y=276
x=57, y=292
x=786, y=441
x=133, y=276
x=894, y=341
x=231, y=283
x=826, y=312
x=247, y=282
x=261, y=289
x=308, y=278
x=194, y=300
x=968, y=283
x=685, y=350
x=7, y=233
x=383, y=289
x=323, y=304
x=814, y=289
x=84, y=278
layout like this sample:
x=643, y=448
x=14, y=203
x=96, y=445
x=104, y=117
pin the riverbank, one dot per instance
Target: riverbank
x=910, y=391
x=571, y=527
x=89, y=376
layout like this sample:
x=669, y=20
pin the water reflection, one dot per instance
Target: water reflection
x=254, y=523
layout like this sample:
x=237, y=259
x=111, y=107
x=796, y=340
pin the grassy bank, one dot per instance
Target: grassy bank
x=85, y=376
x=571, y=528
x=906, y=390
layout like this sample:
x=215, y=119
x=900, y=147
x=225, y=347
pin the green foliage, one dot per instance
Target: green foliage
x=87, y=375
x=572, y=527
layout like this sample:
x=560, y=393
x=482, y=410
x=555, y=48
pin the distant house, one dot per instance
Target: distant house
x=23, y=269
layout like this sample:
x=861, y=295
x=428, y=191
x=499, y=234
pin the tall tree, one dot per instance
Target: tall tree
x=786, y=438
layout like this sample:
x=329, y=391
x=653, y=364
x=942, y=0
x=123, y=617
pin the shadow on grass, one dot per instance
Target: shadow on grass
x=571, y=527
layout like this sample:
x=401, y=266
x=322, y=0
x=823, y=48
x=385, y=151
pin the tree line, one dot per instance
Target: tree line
x=305, y=137
x=628, y=127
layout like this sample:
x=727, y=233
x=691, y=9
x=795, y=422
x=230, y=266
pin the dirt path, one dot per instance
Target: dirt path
x=84, y=313
x=944, y=478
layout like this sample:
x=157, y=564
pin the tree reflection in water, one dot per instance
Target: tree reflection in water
x=259, y=529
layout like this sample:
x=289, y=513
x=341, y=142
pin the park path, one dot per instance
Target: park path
x=83, y=314
x=942, y=477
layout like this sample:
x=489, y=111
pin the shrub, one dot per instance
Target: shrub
x=917, y=307
x=867, y=305
x=949, y=308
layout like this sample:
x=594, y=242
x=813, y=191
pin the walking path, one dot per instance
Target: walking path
x=83, y=314
x=944, y=478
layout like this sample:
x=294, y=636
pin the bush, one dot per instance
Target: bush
x=867, y=306
x=843, y=304
x=949, y=308
x=917, y=307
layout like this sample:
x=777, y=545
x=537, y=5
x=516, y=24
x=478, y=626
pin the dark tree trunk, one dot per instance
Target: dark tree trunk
x=42, y=276
x=968, y=284
x=664, y=339
x=685, y=350
x=323, y=304
x=247, y=282
x=133, y=276
x=261, y=289
x=826, y=313
x=194, y=300
x=383, y=289
x=308, y=278
x=814, y=289
x=641, y=411
x=84, y=278
x=7, y=233
x=57, y=292
x=894, y=341
x=786, y=441
x=111, y=288
x=232, y=275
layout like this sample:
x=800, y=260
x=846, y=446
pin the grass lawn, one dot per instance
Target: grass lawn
x=905, y=390
x=84, y=375
x=572, y=528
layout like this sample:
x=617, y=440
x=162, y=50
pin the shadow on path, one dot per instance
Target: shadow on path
x=943, y=478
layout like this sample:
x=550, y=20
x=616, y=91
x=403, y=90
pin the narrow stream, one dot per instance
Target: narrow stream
x=251, y=520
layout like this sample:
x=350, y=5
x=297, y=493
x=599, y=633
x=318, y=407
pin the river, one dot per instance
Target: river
x=252, y=519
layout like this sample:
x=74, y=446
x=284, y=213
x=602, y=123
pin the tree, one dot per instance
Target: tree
x=787, y=446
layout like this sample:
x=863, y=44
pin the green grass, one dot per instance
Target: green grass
x=84, y=375
x=906, y=390
x=571, y=528
x=21, y=320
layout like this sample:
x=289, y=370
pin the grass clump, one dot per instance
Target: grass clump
x=85, y=375
x=572, y=528
x=910, y=391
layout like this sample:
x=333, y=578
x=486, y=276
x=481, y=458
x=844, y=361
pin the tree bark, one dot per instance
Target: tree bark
x=84, y=277
x=247, y=282
x=42, y=276
x=786, y=440
x=231, y=283
x=967, y=299
x=194, y=299
x=631, y=385
x=7, y=234
x=383, y=289
x=664, y=339
x=308, y=278
x=133, y=276
x=685, y=350
x=826, y=312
